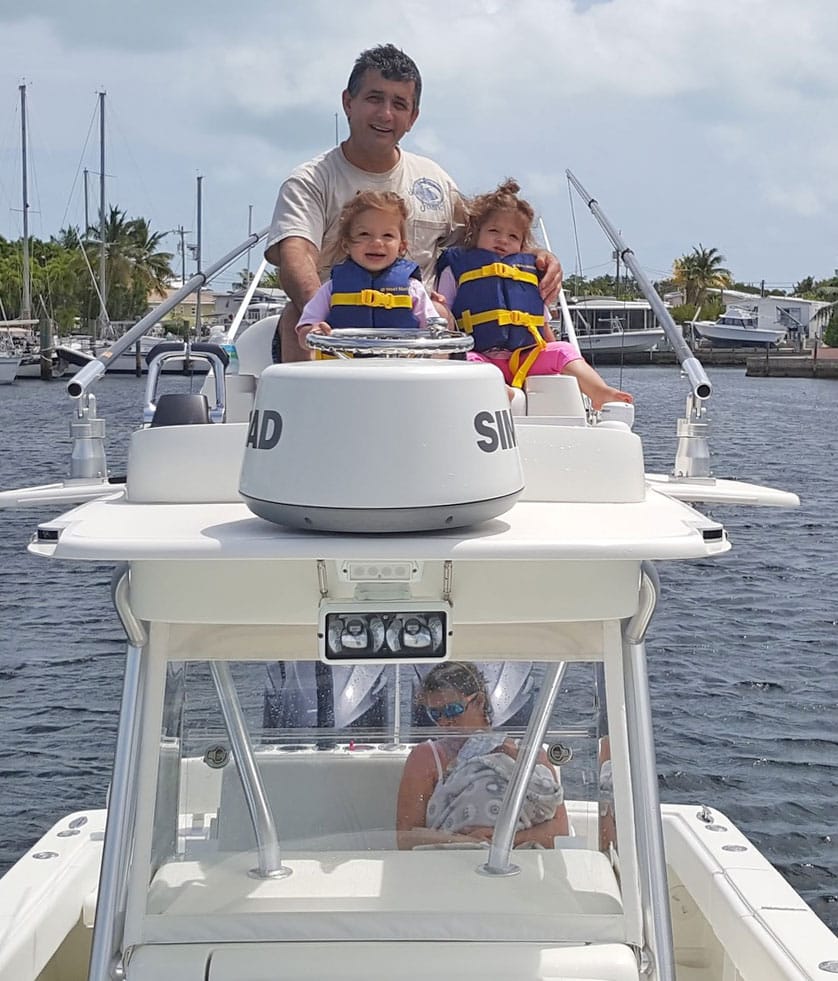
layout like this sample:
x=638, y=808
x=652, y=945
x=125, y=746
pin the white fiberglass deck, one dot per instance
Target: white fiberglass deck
x=655, y=528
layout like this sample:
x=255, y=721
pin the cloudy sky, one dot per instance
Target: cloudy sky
x=691, y=121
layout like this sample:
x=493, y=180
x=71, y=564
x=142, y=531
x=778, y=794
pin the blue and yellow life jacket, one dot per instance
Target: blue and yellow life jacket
x=364, y=299
x=498, y=303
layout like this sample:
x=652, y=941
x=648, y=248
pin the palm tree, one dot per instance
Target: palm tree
x=271, y=280
x=134, y=266
x=700, y=271
x=244, y=280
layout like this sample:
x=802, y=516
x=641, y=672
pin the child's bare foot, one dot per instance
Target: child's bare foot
x=605, y=393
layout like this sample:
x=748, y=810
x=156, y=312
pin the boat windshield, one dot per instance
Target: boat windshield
x=738, y=316
x=330, y=745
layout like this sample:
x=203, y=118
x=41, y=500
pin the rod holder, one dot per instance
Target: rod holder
x=87, y=430
x=692, y=455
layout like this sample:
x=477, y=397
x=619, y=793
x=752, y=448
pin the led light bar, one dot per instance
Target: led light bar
x=384, y=632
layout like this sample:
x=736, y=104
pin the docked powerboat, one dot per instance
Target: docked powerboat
x=738, y=327
x=78, y=351
x=605, y=325
x=285, y=579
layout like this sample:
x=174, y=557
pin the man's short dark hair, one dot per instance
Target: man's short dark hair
x=393, y=64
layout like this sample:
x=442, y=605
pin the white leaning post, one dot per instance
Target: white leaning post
x=647, y=812
x=105, y=955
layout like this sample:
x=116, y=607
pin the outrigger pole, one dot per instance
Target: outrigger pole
x=86, y=376
x=690, y=364
x=692, y=457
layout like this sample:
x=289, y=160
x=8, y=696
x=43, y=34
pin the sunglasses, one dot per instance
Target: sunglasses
x=451, y=710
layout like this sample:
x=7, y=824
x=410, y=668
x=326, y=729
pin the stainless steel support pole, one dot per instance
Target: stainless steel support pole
x=691, y=366
x=267, y=843
x=105, y=955
x=500, y=850
x=85, y=377
x=647, y=812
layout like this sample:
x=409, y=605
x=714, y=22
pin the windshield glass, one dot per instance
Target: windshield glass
x=378, y=789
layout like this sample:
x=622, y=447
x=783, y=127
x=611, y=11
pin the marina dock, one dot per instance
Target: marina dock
x=757, y=362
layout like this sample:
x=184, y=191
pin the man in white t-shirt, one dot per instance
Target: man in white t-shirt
x=381, y=102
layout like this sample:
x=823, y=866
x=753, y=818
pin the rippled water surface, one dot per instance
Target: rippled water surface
x=742, y=651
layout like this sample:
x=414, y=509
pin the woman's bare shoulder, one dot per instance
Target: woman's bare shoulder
x=421, y=757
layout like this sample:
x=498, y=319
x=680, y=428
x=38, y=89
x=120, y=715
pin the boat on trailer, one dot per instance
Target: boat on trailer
x=285, y=579
x=738, y=327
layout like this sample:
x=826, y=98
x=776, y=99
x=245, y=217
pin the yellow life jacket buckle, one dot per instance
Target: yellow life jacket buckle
x=372, y=298
x=499, y=269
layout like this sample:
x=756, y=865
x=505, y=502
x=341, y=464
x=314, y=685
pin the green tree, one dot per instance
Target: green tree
x=133, y=264
x=245, y=278
x=821, y=289
x=700, y=271
x=62, y=271
x=689, y=311
x=271, y=280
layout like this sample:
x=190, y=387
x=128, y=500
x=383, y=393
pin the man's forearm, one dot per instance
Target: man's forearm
x=298, y=270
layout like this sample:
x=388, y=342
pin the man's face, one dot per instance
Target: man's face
x=381, y=113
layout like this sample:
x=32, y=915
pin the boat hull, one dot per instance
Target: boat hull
x=30, y=367
x=8, y=369
x=725, y=335
x=627, y=340
x=126, y=363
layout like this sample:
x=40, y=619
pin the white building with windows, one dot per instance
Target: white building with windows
x=265, y=301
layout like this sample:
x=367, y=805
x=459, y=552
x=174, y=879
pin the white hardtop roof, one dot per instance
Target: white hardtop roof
x=114, y=530
x=607, y=303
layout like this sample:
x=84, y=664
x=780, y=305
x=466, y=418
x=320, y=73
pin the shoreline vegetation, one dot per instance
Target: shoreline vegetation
x=63, y=269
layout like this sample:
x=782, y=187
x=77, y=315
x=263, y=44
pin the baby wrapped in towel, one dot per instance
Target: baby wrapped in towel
x=469, y=795
x=452, y=787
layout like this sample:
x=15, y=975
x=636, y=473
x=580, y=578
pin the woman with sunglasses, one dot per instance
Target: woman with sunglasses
x=452, y=786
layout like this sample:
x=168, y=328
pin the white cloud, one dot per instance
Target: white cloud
x=691, y=120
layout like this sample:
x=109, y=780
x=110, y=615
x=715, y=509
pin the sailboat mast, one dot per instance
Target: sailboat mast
x=26, y=306
x=198, y=264
x=86, y=207
x=103, y=313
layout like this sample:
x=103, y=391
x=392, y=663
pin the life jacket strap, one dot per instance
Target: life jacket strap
x=504, y=318
x=372, y=298
x=500, y=269
x=519, y=370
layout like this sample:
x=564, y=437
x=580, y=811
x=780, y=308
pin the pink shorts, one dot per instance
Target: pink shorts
x=551, y=361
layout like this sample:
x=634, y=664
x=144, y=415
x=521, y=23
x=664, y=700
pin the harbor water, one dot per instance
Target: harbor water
x=743, y=650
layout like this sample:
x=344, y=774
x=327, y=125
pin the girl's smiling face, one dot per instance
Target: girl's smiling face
x=502, y=232
x=375, y=239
